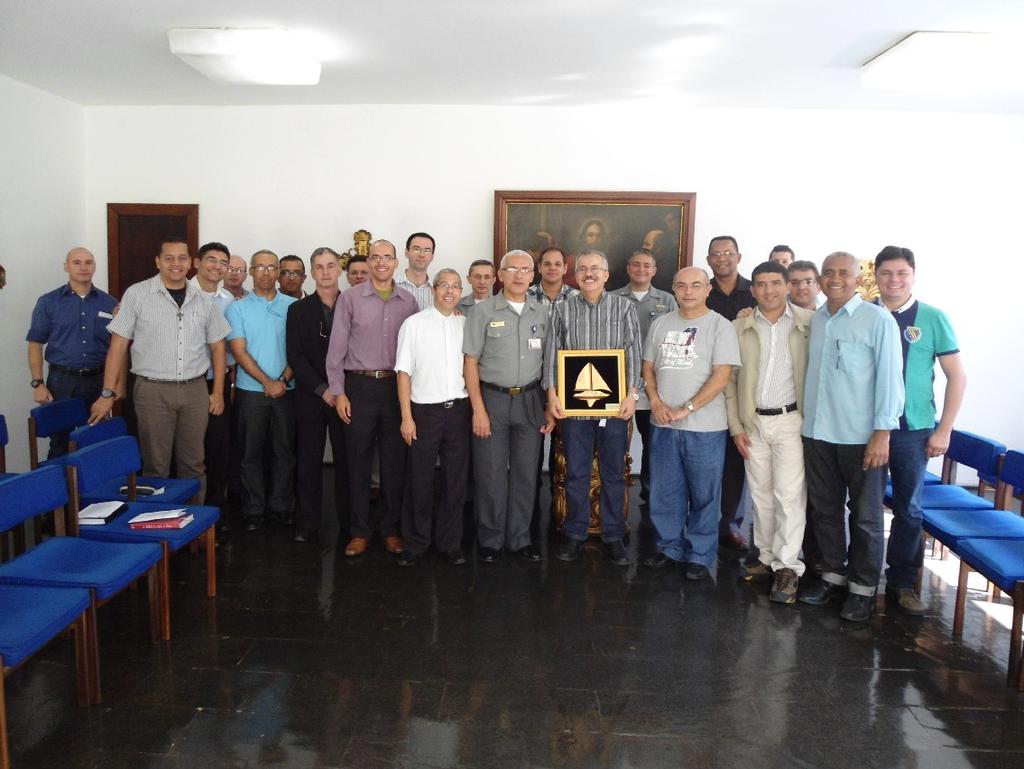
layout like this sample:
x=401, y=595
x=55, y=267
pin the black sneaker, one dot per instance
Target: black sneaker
x=857, y=608
x=408, y=558
x=529, y=553
x=487, y=554
x=821, y=592
x=695, y=572
x=617, y=553
x=455, y=557
x=569, y=550
x=657, y=561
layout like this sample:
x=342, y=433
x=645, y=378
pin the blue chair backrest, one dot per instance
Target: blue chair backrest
x=27, y=495
x=60, y=415
x=1012, y=472
x=3, y=430
x=976, y=452
x=104, y=430
x=105, y=461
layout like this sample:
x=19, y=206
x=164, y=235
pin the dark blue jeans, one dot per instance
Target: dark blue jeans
x=62, y=386
x=908, y=461
x=581, y=436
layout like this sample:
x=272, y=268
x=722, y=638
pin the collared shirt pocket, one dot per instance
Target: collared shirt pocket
x=853, y=357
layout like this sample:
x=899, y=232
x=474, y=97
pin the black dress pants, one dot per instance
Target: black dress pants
x=315, y=422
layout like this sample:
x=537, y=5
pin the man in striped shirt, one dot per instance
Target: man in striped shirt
x=594, y=319
x=419, y=252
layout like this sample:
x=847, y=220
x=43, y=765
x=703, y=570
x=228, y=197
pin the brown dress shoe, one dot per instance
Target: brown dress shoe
x=356, y=546
x=394, y=545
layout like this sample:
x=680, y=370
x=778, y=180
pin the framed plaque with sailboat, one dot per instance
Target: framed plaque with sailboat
x=591, y=383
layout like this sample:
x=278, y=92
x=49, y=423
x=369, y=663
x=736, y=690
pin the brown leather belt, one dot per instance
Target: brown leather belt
x=377, y=374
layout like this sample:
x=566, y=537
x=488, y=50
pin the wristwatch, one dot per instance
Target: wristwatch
x=282, y=379
x=106, y=392
x=690, y=407
x=635, y=396
x=36, y=382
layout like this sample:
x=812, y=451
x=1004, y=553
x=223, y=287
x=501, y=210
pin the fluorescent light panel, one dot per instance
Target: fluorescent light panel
x=946, y=62
x=253, y=56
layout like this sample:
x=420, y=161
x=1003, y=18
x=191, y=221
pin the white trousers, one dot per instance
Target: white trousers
x=775, y=476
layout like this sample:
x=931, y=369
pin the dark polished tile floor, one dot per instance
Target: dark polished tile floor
x=307, y=659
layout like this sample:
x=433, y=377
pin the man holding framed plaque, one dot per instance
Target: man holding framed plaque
x=592, y=375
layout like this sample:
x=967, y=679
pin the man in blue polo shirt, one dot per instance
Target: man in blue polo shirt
x=71, y=322
x=264, y=393
x=853, y=397
x=925, y=336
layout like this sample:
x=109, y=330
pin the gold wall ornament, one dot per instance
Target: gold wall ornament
x=867, y=286
x=360, y=246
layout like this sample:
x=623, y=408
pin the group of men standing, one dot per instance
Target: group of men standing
x=817, y=401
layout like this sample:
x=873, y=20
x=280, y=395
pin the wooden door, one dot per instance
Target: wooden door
x=134, y=232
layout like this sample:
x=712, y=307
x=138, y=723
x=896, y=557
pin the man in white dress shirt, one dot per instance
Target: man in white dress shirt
x=436, y=419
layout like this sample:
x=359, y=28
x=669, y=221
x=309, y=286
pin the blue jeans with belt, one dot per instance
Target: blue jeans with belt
x=908, y=460
x=581, y=437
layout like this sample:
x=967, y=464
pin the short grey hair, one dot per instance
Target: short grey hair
x=447, y=271
x=842, y=255
x=515, y=252
x=252, y=262
x=593, y=252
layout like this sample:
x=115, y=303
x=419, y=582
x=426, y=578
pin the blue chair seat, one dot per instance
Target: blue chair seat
x=106, y=567
x=177, y=491
x=1000, y=561
x=944, y=497
x=952, y=526
x=30, y=616
x=931, y=479
x=5, y=476
x=118, y=530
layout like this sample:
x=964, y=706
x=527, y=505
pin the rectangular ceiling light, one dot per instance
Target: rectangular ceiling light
x=948, y=62
x=255, y=56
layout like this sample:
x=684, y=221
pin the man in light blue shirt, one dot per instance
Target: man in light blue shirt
x=853, y=398
x=264, y=393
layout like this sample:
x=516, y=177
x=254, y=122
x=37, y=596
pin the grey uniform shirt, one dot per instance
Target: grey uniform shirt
x=655, y=304
x=170, y=343
x=508, y=346
x=683, y=352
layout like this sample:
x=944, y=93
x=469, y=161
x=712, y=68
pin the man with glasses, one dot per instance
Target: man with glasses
x=594, y=319
x=211, y=265
x=503, y=342
x=308, y=332
x=419, y=251
x=803, y=285
x=730, y=293
x=263, y=392
x=361, y=377
x=291, y=276
x=650, y=303
x=178, y=336
x=435, y=423
x=234, y=277
x=688, y=359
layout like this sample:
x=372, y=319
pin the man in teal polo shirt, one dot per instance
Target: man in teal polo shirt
x=263, y=392
x=926, y=336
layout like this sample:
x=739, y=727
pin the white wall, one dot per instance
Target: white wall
x=292, y=178
x=42, y=210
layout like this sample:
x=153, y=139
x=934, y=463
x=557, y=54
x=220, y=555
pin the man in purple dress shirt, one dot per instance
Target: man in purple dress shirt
x=361, y=376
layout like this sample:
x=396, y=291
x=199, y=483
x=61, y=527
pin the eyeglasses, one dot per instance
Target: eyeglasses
x=292, y=274
x=381, y=258
x=588, y=270
x=684, y=286
x=214, y=260
x=517, y=270
x=802, y=282
x=264, y=268
x=236, y=270
x=721, y=253
x=448, y=286
x=419, y=250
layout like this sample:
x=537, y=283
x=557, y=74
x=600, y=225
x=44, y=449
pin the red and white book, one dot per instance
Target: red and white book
x=161, y=519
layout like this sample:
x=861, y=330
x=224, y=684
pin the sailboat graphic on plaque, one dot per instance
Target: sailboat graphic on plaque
x=590, y=386
x=591, y=383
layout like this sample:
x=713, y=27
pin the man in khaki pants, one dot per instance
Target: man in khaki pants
x=764, y=401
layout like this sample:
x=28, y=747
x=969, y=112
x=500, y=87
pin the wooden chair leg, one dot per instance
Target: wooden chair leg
x=153, y=591
x=5, y=759
x=92, y=640
x=1013, y=673
x=961, y=599
x=996, y=592
x=211, y=562
x=83, y=671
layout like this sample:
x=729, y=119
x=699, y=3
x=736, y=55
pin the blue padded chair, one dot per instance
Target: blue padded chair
x=51, y=418
x=981, y=454
x=105, y=429
x=4, y=440
x=177, y=491
x=30, y=617
x=93, y=467
x=104, y=568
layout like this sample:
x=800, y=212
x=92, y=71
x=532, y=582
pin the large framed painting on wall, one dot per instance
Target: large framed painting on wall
x=617, y=223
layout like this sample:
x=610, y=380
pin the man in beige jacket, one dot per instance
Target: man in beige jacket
x=764, y=401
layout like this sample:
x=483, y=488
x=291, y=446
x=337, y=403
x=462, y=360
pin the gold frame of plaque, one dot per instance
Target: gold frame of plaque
x=598, y=382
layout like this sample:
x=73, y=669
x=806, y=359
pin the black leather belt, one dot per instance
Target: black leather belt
x=173, y=381
x=377, y=374
x=76, y=371
x=443, y=404
x=776, y=412
x=512, y=390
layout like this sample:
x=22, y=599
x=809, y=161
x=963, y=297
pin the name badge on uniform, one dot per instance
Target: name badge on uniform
x=534, y=344
x=105, y=315
x=497, y=324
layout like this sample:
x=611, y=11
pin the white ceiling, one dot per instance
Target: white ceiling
x=751, y=53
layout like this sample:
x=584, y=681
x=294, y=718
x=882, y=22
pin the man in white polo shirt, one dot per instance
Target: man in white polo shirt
x=436, y=419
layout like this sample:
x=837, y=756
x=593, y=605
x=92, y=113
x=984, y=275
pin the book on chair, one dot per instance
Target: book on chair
x=162, y=519
x=98, y=513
